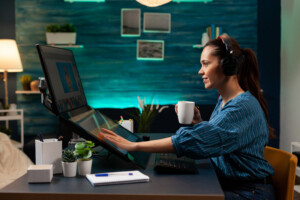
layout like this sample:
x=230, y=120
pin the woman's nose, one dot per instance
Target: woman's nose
x=201, y=71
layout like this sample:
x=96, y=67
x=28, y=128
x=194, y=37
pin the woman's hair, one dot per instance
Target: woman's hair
x=241, y=62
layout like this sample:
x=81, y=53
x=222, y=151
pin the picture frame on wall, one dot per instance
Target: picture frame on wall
x=157, y=22
x=130, y=22
x=150, y=50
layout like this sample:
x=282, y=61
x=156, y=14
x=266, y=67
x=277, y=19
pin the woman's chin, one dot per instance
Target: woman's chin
x=207, y=86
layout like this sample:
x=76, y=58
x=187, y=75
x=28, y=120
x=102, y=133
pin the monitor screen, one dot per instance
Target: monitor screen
x=64, y=83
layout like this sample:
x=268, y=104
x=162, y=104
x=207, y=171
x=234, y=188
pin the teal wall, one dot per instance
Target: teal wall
x=110, y=74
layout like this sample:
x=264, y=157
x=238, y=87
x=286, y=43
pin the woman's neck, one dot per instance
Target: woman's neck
x=230, y=89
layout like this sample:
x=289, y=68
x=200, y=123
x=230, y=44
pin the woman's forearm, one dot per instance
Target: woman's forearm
x=156, y=146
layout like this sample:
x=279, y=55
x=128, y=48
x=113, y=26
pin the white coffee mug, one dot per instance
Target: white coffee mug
x=185, y=112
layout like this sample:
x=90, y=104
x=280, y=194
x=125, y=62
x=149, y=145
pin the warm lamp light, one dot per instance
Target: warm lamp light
x=10, y=60
x=153, y=3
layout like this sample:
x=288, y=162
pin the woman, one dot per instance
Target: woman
x=237, y=132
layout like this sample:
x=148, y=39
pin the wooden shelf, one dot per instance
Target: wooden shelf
x=67, y=45
x=198, y=46
x=27, y=92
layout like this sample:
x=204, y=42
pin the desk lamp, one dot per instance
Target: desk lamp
x=153, y=3
x=9, y=61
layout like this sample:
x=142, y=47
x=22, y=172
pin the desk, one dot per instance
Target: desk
x=203, y=185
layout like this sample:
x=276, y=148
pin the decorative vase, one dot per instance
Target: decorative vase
x=205, y=38
x=69, y=168
x=34, y=85
x=61, y=38
x=84, y=166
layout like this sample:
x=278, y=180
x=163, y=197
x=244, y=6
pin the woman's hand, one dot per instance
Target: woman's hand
x=117, y=140
x=197, y=116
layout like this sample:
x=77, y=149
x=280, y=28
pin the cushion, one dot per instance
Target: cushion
x=13, y=162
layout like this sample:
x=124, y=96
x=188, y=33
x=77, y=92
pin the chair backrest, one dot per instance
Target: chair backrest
x=284, y=164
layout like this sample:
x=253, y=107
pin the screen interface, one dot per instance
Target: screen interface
x=92, y=122
x=65, y=81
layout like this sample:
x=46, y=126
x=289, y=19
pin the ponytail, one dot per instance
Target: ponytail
x=248, y=78
x=243, y=63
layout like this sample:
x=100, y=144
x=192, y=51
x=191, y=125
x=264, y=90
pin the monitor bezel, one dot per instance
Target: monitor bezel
x=48, y=81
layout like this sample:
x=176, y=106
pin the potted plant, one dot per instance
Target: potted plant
x=25, y=80
x=61, y=34
x=69, y=164
x=146, y=115
x=83, y=152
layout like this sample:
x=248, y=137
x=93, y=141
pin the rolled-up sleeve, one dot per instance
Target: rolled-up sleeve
x=219, y=136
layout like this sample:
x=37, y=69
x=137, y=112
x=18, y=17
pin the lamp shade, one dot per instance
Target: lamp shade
x=153, y=3
x=10, y=60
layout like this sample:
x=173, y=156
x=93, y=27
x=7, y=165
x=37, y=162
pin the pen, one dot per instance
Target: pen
x=114, y=174
x=41, y=137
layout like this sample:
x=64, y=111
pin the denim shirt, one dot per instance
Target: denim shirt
x=234, y=139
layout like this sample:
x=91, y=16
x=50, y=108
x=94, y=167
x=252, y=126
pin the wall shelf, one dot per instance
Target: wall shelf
x=27, y=92
x=79, y=46
x=96, y=1
x=198, y=46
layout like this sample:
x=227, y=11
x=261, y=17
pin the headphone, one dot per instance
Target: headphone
x=229, y=67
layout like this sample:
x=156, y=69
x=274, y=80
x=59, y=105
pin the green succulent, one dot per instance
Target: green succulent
x=60, y=28
x=68, y=156
x=83, y=150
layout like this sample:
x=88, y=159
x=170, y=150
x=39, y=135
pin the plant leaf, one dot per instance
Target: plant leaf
x=79, y=145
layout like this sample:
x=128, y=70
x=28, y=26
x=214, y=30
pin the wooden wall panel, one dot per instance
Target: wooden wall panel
x=110, y=73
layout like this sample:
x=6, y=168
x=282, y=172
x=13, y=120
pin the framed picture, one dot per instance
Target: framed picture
x=130, y=22
x=157, y=22
x=150, y=50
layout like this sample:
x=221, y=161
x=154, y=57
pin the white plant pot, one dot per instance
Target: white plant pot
x=84, y=167
x=60, y=38
x=69, y=168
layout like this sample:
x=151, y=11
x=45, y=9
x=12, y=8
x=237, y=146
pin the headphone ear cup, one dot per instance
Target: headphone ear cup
x=228, y=67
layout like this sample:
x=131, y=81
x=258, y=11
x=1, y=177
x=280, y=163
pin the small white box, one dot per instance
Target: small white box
x=49, y=152
x=128, y=124
x=40, y=173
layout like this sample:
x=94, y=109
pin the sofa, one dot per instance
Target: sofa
x=13, y=162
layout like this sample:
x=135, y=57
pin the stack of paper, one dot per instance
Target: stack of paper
x=117, y=178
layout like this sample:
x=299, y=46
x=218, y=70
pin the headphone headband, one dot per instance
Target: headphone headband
x=227, y=43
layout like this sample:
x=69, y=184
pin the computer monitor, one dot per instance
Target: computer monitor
x=62, y=79
x=70, y=105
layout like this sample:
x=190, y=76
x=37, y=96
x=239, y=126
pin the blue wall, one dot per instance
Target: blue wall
x=110, y=73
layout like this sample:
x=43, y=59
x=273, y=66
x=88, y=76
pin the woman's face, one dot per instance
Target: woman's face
x=211, y=71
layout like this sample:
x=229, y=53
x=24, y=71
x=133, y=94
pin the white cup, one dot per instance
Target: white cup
x=185, y=112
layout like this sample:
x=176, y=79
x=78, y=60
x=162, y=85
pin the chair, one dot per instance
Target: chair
x=284, y=164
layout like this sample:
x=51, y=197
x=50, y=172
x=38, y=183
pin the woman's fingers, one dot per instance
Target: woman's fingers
x=108, y=131
x=101, y=136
